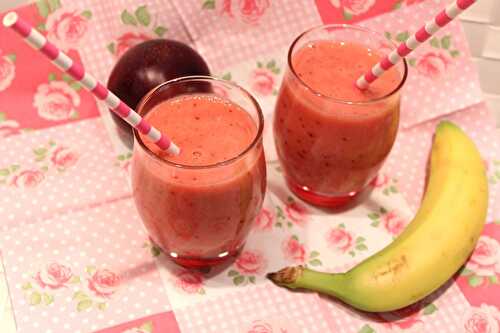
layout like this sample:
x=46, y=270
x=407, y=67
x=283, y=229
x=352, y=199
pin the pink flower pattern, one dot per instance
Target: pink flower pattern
x=380, y=181
x=27, y=179
x=246, y=11
x=56, y=101
x=63, y=157
x=53, y=276
x=393, y=223
x=485, y=260
x=432, y=64
x=129, y=40
x=250, y=262
x=297, y=213
x=265, y=219
x=354, y=7
x=263, y=81
x=191, y=282
x=7, y=72
x=293, y=250
x=483, y=319
x=340, y=239
x=66, y=28
x=8, y=128
x=103, y=283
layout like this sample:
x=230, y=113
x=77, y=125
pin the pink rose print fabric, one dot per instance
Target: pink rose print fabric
x=483, y=319
x=106, y=277
x=189, y=281
x=293, y=250
x=45, y=96
x=66, y=28
x=433, y=64
x=246, y=11
x=7, y=70
x=53, y=276
x=249, y=264
x=265, y=220
x=56, y=101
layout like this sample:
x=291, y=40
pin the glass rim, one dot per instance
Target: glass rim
x=201, y=78
x=338, y=100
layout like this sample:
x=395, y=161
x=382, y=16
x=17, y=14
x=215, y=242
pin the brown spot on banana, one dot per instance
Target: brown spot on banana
x=287, y=275
x=392, y=269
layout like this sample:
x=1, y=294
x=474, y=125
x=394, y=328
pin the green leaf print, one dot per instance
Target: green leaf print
x=412, y=62
x=128, y=19
x=388, y=35
x=271, y=64
x=475, y=280
x=75, y=279
x=361, y=247
x=466, y=272
x=54, y=4
x=446, y=42
x=3, y=117
x=47, y=299
x=76, y=86
x=160, y=31
x=366, y=329
x=26, y=286
x=90, y=269
x=430, y=309
x=80, y=296
x=232, y=273
x=251, y=279
x=83, y=305
x=347, y=15
x=35, y=298
x=360, y=239
x=40, y=151
x=87, y=14
x=111, y=48
x=382, y=210
x=52, y=77
x=43, y=8
x=4, y=172
x=493, y=279
x=227, y=76
x=315, y=262
x=155, y=251
x=142, y=15
x=12, y=57
x=314, y=254
x=66, y=77
x=147, y=327
x=237, y=280
x=373, y=216
x=41, y=27
x=434, y=42
x=102, y=306
x=208, y=4
x=342, y=225
x=397, y=5
x=259, y=64
x=402, y=36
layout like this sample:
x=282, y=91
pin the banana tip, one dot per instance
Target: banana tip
x=286, y=276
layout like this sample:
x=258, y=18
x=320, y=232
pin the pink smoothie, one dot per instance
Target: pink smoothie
x=200, y=209
x=331, y=147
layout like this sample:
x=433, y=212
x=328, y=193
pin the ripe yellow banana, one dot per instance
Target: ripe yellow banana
x=432, y=248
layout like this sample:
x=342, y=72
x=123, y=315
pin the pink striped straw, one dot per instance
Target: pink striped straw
x=430, y=28
x=65, y=63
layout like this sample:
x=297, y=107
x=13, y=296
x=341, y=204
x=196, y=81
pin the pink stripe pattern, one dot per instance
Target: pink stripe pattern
x=424, y=33
x=61, y=60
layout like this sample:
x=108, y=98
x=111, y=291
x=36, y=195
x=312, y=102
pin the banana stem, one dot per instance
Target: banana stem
x=304, y=278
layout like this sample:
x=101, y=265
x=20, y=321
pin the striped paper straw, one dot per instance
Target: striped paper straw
x=430, y=28
x=65, y=63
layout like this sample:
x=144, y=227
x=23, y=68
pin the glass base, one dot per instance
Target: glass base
x=199, y=263
x=318, y=199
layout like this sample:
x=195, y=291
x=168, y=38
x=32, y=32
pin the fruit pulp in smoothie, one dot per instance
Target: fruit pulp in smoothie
x=200, y=211
x=328, y=148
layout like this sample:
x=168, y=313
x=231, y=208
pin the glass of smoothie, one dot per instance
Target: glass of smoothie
x=199, y=206
x=331, y=137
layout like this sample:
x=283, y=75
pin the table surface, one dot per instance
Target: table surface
x=482, y=27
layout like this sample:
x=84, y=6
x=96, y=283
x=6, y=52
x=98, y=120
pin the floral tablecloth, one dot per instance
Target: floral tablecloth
x=75, y=255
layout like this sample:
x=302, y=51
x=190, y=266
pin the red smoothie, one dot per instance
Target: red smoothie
x=331, y=137
x=199, y=206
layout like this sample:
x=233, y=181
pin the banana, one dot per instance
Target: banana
x=431, y=249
